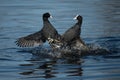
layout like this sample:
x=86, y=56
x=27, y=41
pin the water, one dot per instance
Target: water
x=100, y=26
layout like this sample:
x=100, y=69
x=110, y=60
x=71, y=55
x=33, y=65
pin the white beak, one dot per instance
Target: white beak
x=51, y=17
x=75, y=17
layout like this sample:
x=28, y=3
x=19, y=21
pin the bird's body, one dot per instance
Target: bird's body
x=38, y=38
x=49, y=31
x=71, y=38
x=72, y=33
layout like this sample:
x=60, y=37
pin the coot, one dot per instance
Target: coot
x=72, y=35
x=71, y=38
x=73, y=32
x=38, y=38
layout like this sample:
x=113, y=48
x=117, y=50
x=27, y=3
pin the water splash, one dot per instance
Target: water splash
x=48, y=52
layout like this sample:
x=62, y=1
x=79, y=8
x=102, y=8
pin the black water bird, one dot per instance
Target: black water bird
x=71, y=38
x=38, y=38
x=73, y=32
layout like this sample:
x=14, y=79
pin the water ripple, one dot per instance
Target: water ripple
x=100, y=27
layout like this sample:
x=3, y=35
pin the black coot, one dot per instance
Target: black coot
x=38, y=38
x=71, y=38
x=73, y=33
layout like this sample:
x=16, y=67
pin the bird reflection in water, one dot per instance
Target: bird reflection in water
x=50, y=69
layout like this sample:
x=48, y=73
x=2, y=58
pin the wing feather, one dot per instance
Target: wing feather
x=31, y=40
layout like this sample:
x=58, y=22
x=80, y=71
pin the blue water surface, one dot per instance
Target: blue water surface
x=101, y=26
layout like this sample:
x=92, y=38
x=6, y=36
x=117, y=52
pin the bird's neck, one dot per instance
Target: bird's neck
x=45, y=20
x=46, y=23
x=79, y=22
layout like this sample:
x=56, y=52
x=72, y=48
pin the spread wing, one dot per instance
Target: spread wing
x=31, y=40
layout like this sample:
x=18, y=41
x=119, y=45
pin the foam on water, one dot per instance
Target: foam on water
x=48, y=52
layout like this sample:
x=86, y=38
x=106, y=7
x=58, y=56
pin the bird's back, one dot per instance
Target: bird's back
x=49, y=31
x=72, y=33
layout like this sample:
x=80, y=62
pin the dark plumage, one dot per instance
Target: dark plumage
x=72, y=36
x=48, y=30
x=34, y=39
x=38, y=38
x=73, y=33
